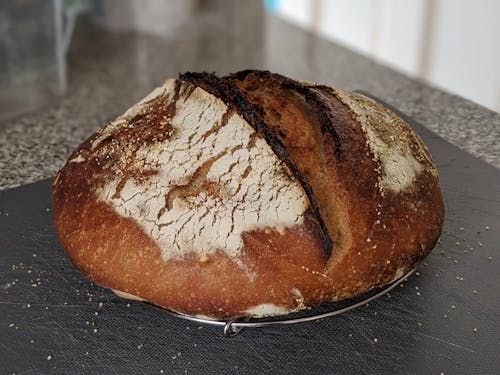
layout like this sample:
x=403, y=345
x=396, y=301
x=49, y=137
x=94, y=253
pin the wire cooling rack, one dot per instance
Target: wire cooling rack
x=233, y=326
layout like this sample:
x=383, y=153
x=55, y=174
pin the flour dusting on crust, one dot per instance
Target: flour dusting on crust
x=389, y=139
x=212, y=179
x=267, y=309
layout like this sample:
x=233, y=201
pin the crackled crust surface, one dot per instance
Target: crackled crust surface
x=181, y=202
x=210, y=180
x=289, y=193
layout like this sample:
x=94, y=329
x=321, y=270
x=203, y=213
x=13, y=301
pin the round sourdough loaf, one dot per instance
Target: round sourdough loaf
x=252, y=194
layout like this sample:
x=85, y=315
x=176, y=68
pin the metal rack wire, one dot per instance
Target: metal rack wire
x=233, y=326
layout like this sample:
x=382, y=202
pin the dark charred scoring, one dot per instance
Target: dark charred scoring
x=309, y=121
x=355, y=154
x=325, y=119
x=235, y=98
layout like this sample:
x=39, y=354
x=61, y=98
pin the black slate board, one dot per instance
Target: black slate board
x=444, y=319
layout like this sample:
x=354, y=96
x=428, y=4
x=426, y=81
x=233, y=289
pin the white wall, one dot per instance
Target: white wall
x=297, y=10
x=349, y=22
x=400, y=33
x=454, y=44
x=465, y=52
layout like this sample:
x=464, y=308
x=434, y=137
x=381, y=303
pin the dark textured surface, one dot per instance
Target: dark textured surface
x=109, y=71
x=443, y=319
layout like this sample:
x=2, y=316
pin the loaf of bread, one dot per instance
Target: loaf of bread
x=248, y=195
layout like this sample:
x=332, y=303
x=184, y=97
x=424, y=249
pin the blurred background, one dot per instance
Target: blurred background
x=453, y=44
x=49, y=48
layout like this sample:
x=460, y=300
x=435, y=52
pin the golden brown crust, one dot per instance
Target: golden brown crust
x=377, y=234
x=235, y=98
x=402, y=227
x=115, y=252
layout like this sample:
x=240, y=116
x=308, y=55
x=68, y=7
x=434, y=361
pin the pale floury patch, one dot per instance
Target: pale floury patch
x=267, y=309
x=215, y=179
x=389, y=141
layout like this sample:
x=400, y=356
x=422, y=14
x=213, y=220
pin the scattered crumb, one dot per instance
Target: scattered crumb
x=457, y=243
x=140, y=346
x=49, y=357
x=128, y=304
x=11, y=325
x=475, y=291
x=418, y=293
x=453, y=307
x=95, y=330
x=480, y=243
x=32, y=341
x=417, y=273
x=461, y=229
x=100, y=304
x=490, y=258
x=474, y=330
x=375, y=340
x=419, y=324
x=487, y=228
x=445, y=316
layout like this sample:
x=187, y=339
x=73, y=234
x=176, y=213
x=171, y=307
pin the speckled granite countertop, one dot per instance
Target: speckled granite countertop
x=109, y=71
